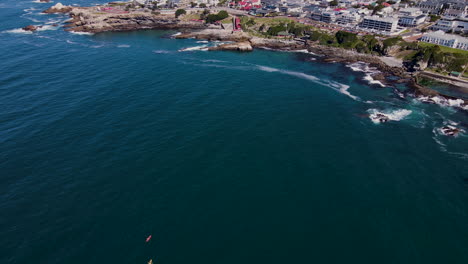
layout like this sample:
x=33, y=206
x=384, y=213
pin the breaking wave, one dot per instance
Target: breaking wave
x=369, y=71
x=196, y=48
x=17, y=31
x=339, y=87
x=378, y=116
x=458, y=103
x=82, y=33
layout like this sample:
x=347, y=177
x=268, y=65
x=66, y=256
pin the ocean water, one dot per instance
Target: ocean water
x=223, y=157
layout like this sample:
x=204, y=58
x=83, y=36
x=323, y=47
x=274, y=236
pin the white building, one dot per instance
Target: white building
x=383, y=24
x=207, y=2
x=448, y=40
x=455, y=25
x=456, y=10
x=410, y=11
x=411, y=21
x=347, y=17
x=431, y=7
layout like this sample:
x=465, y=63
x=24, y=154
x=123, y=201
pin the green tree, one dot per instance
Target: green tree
x=434, y=18
x=334, y=3
x=204, y=14
x=372, y=43
x=192, y=4
x=202, y=5
x=361, y=47
x=346, y=39
x=222, y=14
x=377, y=9
x=315, y=35
x=180, y=12
x=211, y=18
x=274, y=30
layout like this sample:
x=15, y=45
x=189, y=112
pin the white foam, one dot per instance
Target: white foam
x=39, y=2
x=176, y=34
x=358, y=67
x=18, y=31
x=343, y=88
x=219, y=61
x=371, y=80
x=123, y=46
x=202, y=41
x=46, y=27
x=161, y=51
x=393, y=115
x=339, y=87
x=196, y=48
x=267, y=69
x=458, y=103
x=81, y=33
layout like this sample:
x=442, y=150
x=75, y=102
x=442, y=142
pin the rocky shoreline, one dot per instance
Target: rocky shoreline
x=93, y=20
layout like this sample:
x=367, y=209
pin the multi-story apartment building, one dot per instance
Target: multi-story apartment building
x=431, y=7
x=328, y=17
x=455, y=10
x=448, y=40
x=451, y=24
x=383, y=24
x=411, y=21
x=348, y=17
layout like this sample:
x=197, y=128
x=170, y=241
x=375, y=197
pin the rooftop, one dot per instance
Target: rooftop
x=442, y=35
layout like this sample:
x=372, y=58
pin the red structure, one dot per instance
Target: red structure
x=236, y=24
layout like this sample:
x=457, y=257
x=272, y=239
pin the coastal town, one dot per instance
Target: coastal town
x=441, y=22
x=419, y=35
x=417, y=42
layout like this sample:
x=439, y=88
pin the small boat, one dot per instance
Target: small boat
x=148, y=238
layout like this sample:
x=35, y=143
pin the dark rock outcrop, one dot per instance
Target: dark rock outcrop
x=30, y=28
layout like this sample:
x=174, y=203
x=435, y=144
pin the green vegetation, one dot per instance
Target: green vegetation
x=434, y=18
x=222, y=3
x=192, y=4
x=346, y=39
x=434, y=57
x=274, y=30
x=295, y=29
x=180, y=12
x=202, y=5
x=211, y=18
x=445, y=49
x=437, y=58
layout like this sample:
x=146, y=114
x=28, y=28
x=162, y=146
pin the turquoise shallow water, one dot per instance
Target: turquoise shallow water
x=262, y=157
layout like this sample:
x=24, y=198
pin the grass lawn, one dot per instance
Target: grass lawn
x=272, y=20
x=190, y=16
x=444, y=49
x=227, y=20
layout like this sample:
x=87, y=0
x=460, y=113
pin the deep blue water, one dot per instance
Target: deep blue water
x=262, y=157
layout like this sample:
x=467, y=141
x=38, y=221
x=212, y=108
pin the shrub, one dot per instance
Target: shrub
x=180, y=12
x=211, y=18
